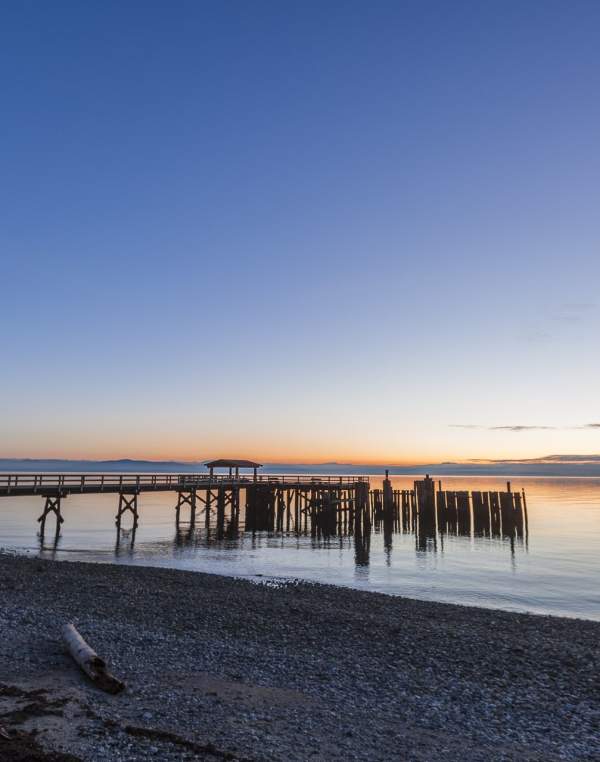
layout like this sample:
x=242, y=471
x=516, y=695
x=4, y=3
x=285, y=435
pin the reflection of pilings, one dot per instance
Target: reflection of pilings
x=125, y=534
x=44, y=547
x=362, y=548
x=184, y=537
x=425, y=533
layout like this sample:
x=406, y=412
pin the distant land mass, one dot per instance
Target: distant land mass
x=550, y=465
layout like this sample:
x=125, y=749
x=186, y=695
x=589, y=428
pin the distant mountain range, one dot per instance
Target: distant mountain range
x=551, y=465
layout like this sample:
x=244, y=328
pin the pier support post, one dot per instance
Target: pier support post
x=52, y=505
x=188, y=498
x=207, y=507
x=127, y=504
x=221, y=502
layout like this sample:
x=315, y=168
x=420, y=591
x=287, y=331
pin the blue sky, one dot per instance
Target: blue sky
x=311, y=231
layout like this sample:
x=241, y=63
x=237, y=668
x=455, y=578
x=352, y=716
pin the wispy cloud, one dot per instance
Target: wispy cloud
x=514, y=427
x=573, y=312
x=557, y=320
x=524, y=427
x=559, y=459
x=520, y=427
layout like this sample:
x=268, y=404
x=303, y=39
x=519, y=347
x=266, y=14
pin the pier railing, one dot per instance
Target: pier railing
x=32, y=483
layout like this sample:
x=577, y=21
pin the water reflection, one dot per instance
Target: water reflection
x=429, y=516
x=125, y=539
x=456, y=519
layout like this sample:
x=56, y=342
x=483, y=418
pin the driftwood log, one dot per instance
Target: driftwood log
x=89, y=661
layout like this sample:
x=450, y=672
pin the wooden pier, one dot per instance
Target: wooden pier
x=319, y=506
x=272, y=503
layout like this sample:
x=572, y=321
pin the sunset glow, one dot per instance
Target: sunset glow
x=381, y=252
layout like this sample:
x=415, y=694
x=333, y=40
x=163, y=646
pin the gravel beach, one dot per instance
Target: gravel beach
x=224, y=669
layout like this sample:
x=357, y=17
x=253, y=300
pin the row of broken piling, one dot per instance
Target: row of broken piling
x=425, y=509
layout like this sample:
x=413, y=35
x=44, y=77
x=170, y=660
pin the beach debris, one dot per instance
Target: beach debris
x=89, y=661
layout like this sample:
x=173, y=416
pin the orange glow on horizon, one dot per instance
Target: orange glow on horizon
x=394, y=447
x=292, y=458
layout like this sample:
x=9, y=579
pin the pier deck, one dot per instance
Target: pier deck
x=67, y=484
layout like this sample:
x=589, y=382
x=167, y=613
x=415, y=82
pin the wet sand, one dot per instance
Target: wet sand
x=219, y=668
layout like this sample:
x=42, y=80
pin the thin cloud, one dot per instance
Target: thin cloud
x=567, y=316
x=515, y=427
x=523, y=427
x=573, y=312
x=549, y=459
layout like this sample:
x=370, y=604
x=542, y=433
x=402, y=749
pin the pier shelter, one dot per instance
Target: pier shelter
x=233, y=466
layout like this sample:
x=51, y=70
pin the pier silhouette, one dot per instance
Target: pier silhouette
x=317, y=506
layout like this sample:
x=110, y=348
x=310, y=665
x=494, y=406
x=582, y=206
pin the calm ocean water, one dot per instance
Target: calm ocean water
x=555, y=570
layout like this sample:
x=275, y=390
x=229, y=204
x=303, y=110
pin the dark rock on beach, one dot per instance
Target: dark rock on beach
x=224, y=669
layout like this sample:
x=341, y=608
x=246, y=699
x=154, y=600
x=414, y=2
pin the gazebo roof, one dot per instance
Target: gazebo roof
x=224, y=463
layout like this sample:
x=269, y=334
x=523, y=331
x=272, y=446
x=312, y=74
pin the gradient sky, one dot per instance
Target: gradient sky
x=359, y=231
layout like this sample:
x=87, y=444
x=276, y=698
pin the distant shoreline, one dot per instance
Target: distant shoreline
x=501, y=470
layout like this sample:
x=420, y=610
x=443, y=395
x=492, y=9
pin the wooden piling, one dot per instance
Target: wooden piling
x=127, y=504
x=51, y=505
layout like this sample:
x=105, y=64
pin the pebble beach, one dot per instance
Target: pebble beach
x=219, y=668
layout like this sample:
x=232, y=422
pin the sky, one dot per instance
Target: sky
x=309, y=231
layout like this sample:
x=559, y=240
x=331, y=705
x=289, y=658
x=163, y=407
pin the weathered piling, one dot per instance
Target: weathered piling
x=451, y=512
x=463, y=511
x=495, y=514
x=388, y=497
x=507, y=510
x=481, y=518
x=425, y=498
x=207, y=506
x=127, y=503
x=187, y=497
x=52, y=505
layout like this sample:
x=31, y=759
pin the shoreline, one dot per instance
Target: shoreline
x=222, y=667
x=267, y=579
